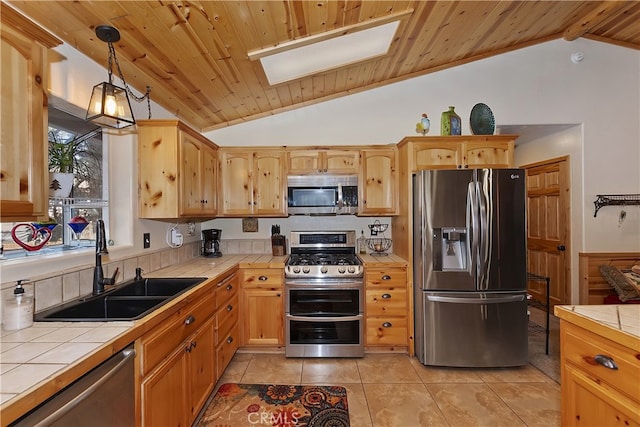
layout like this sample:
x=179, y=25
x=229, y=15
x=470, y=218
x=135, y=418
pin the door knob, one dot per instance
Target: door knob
x=561, y=248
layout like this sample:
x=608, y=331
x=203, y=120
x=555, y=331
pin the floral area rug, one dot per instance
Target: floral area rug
x=238, y=405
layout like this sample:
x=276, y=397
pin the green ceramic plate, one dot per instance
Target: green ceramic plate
x=482, y=120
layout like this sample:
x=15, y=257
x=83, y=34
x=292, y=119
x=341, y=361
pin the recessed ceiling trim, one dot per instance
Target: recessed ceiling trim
x=316, y=38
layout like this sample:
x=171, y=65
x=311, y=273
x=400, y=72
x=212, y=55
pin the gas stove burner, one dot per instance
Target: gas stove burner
x=323, y=255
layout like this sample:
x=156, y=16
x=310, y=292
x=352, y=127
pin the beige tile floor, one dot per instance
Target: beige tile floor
x=394, y=390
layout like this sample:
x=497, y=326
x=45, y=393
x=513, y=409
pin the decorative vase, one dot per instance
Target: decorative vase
x=60, y=184
x=450, y=123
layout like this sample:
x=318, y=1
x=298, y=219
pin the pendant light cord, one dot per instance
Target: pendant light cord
x=147, y=95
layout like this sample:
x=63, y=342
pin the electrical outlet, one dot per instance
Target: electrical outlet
x=146, y=240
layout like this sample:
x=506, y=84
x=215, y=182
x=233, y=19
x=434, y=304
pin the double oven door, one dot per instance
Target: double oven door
x=324, y=319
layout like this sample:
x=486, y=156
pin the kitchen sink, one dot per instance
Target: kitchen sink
x=157, y=286
x=130, y=301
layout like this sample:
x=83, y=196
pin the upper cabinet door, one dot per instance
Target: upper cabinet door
x=489, y=153
x=24, y=180
x=269, y=183
x=437, y=155
x=342, y=162
x=236, y=197
x=304, y=162
x=320, y=161
x=209, y=181
x=378, y=184
x=190, y=176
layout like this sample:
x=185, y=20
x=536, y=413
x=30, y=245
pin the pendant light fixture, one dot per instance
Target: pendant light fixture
x=109, y=104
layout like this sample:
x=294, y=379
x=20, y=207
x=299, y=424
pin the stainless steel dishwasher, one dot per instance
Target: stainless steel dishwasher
x=103, y=397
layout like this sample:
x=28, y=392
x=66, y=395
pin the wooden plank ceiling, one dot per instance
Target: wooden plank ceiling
x=194, y=53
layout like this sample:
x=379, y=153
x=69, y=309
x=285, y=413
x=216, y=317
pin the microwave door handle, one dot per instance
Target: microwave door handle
x=340, y=203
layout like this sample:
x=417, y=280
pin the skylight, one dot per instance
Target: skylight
x=313, y=55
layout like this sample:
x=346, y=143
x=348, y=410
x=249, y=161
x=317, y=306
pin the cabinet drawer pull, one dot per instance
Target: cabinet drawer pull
x=386, y=277
x=263, y=278
x=387, y=325
x=277, y=295
x=606, y=361
x=229, y=287
x=189, y=320
x=386, y=296
x=229, y=307
x=229, y=340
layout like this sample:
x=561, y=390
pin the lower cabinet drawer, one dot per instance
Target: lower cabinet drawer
x=381, y=330
x=226, y=349
x=582, y=349
x=228, y=316
x=386, y=302
x=156, y=346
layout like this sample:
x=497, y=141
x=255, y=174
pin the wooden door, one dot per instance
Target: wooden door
x=379, y=183
x=548, y=215
x=236, y=183
x=269, y=184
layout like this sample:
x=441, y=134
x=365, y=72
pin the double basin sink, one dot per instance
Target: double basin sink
x=130, y=301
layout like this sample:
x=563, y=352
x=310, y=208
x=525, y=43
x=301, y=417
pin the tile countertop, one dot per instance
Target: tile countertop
x=619, y=323
x=38, y=361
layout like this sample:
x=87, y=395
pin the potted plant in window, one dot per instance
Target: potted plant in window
x=67, y=160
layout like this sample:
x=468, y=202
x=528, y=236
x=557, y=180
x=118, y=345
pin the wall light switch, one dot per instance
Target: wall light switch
x=146, y=240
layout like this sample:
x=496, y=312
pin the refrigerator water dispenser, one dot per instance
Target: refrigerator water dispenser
x=453, y=249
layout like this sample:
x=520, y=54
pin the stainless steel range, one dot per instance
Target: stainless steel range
x=324, y=295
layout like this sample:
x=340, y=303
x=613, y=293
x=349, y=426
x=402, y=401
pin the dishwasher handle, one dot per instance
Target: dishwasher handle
x=127, y=354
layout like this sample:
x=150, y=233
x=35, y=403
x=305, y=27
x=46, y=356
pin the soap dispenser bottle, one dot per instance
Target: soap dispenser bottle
x=18, y=309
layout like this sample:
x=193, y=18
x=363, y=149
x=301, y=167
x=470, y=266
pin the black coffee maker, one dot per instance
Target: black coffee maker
x=211, y=242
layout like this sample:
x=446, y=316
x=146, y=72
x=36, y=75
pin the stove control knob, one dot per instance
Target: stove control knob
x=341, y=269
x=352, y=269
x=305, y=269
x=324, y=269
x=296, y=269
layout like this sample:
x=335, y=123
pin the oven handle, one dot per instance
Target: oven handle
x=346, y=285
x=325, y=319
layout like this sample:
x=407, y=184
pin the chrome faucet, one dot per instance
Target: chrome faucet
x=101, y=249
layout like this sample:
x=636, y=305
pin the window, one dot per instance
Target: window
x=72, y=217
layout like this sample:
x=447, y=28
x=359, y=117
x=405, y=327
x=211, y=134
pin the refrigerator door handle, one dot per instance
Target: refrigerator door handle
x=463, y=300
x=484, y=217
x=472, y=224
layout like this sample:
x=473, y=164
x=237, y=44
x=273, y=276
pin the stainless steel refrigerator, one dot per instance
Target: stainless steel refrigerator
x=470, y=279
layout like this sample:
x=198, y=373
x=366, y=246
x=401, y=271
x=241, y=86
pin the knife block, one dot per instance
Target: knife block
x=278, y=245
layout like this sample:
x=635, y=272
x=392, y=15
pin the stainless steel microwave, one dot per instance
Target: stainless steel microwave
x=322, y=194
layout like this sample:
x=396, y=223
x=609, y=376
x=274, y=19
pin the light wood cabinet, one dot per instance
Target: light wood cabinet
x=386, y=306
x=179, y=360
x=262, y=306
x=253, y=183
x=378, y=183
x=593, y=394
x=227, y=317
x=177, y=171
x=323, y=161
x=187, y=374
x=24, y=180
x=461, y=152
